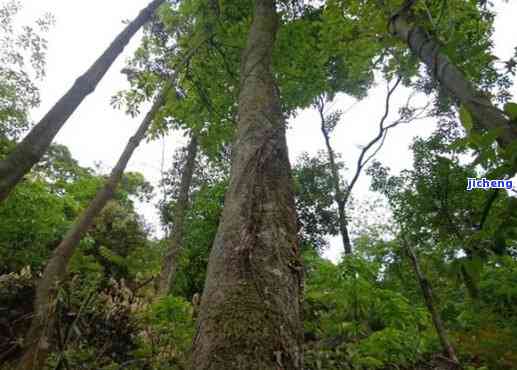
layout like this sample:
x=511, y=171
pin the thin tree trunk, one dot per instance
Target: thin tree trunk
x=429, y=301
x=170, y=262
x=339, y=197
x=485, y=114
x=36, y=143
x=39, y=336
x=250, y=314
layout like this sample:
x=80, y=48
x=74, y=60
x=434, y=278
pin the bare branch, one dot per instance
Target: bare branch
x=361, y=162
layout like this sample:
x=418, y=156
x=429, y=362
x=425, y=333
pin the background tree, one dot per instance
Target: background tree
x=170, y=262
x=39, y=335
x=30, y=150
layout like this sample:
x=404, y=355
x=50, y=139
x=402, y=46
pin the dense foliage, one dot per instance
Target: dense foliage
x=366, y=311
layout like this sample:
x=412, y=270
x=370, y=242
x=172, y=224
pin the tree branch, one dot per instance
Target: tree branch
x=488, y=206
x=360, y=161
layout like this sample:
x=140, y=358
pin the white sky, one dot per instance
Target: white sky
x=98, y=133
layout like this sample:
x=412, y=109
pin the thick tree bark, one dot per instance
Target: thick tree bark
x=429, y=301
x=486, y=115
x=170, y=262
x=36, y=143
x=38, y=339
x=250, y=315
x=339, y=196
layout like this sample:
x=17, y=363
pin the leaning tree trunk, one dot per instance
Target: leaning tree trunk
x=250, y=315
x=339, y=197
x=170, y=262
x=429, y=301
x=37, y=345
x=485, y=114
x=36, y=143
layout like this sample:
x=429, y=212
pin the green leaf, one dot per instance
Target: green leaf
x=112, y=256
x=511, y=110
x=466, y=119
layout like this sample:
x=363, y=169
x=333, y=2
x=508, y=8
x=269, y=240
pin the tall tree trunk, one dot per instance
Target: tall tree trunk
x=486, y=115
x=339, y=196
x=429, y=301
x=36, y=143
x=170, y=263
x=39, y=336
x=250, y=315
